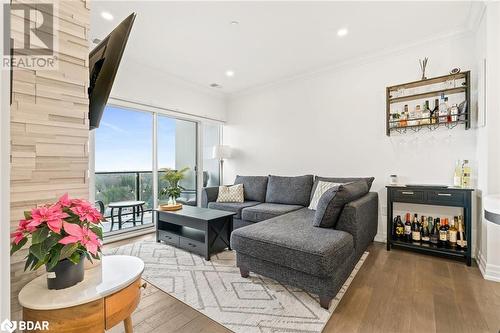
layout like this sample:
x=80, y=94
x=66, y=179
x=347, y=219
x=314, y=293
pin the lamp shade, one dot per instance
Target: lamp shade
x=221, y=152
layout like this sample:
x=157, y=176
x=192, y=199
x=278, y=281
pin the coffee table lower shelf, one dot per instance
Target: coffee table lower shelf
x=197, y=230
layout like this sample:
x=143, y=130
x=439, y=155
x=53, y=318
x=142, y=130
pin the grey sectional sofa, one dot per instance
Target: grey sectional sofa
x=274, y=233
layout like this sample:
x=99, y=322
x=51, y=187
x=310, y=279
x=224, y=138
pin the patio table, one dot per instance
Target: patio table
x=137, y=210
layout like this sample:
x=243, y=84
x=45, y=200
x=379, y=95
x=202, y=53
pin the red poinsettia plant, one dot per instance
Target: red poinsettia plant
x=68, y=229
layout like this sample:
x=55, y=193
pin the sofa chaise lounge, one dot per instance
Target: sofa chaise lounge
x=274, y=234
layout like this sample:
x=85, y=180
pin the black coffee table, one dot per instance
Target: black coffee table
x=199, y=230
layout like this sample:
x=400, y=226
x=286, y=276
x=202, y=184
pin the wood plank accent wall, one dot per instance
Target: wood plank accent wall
x=49, y=127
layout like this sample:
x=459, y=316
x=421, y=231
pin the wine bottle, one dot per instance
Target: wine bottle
x=447, y=227
x=466, y=174
x=443, y=109
x=457, y=176
x=452, y=233
x=415, y=230
x=408, y=228
x=448, y=113
x=399, y=228
x=461, y=240
x=426, y=114
x=404, y=119
x=442, y=235
x=435, y=112
x=425, y=230
x=454, y=112
x=435, y=231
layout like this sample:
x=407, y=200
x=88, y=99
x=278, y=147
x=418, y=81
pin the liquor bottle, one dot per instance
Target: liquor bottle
x=447, y=228
x=466, y=174
x=462, y=111
x=426, y=114
x=416, y=113
x=404, y=117
x=442, y=236
x=415, y=230
x=427, y=107
x=435, y=232
x=426, y=235
x=452, y=233
x=419, y=114
x=435, y=112
x=457, y=176
x=461, y=240
x=399, y=228
x=443, y=109
x=448, y=114
x=454, y=112
x=408, y=228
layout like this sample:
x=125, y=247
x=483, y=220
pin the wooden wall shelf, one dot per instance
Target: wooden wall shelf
x=392, y=98
x=434, y=80
x=434, y=93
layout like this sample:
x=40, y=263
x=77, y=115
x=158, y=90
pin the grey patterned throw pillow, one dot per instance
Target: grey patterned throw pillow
x=332, y=202
x=233, y=193
x=321, y=188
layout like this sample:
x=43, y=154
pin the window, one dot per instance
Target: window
x=177, y=150
x=211, y=138
x=125, y=178
x=123, y=164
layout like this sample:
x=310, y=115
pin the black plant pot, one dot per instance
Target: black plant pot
x=65, y=274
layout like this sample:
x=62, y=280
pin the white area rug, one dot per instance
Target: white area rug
x=215, y=288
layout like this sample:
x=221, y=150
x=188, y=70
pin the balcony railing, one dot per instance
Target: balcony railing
x=116, y=186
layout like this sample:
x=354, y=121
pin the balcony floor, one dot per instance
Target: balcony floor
x=106, y=225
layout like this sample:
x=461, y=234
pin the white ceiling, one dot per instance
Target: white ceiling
x=273, y=40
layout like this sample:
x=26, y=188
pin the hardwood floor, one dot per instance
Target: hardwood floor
x=396, y=291
x=158, y=312
x=400, y=291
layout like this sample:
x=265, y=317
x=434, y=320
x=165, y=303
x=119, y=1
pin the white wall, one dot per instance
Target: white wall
x=488, y=147
x=332, y=123
x=147, y=85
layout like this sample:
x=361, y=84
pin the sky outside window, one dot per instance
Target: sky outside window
x=123, y=141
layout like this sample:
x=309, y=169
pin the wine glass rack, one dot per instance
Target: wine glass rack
x=451, y=84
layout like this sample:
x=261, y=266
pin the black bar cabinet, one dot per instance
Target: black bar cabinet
x=436, y=196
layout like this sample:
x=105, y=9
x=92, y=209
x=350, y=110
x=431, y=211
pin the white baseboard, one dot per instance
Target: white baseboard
x=381, y=237
x=490, y=272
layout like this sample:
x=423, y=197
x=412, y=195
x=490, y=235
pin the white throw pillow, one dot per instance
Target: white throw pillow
x=232, y=193
x=320, y=190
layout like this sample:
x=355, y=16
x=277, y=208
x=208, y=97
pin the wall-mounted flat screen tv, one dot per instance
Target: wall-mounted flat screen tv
x=103, y=65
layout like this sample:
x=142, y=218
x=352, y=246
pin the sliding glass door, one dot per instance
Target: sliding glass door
x=123, y=168
x=176, y=146
x=132, y=150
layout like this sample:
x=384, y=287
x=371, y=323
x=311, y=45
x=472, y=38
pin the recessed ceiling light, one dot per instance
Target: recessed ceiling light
x=215, y=85
x=107, y=16
x=235, y=22
x=342, y=32
x=229, y=73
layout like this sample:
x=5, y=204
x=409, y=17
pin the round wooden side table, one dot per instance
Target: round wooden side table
x=107, y=296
